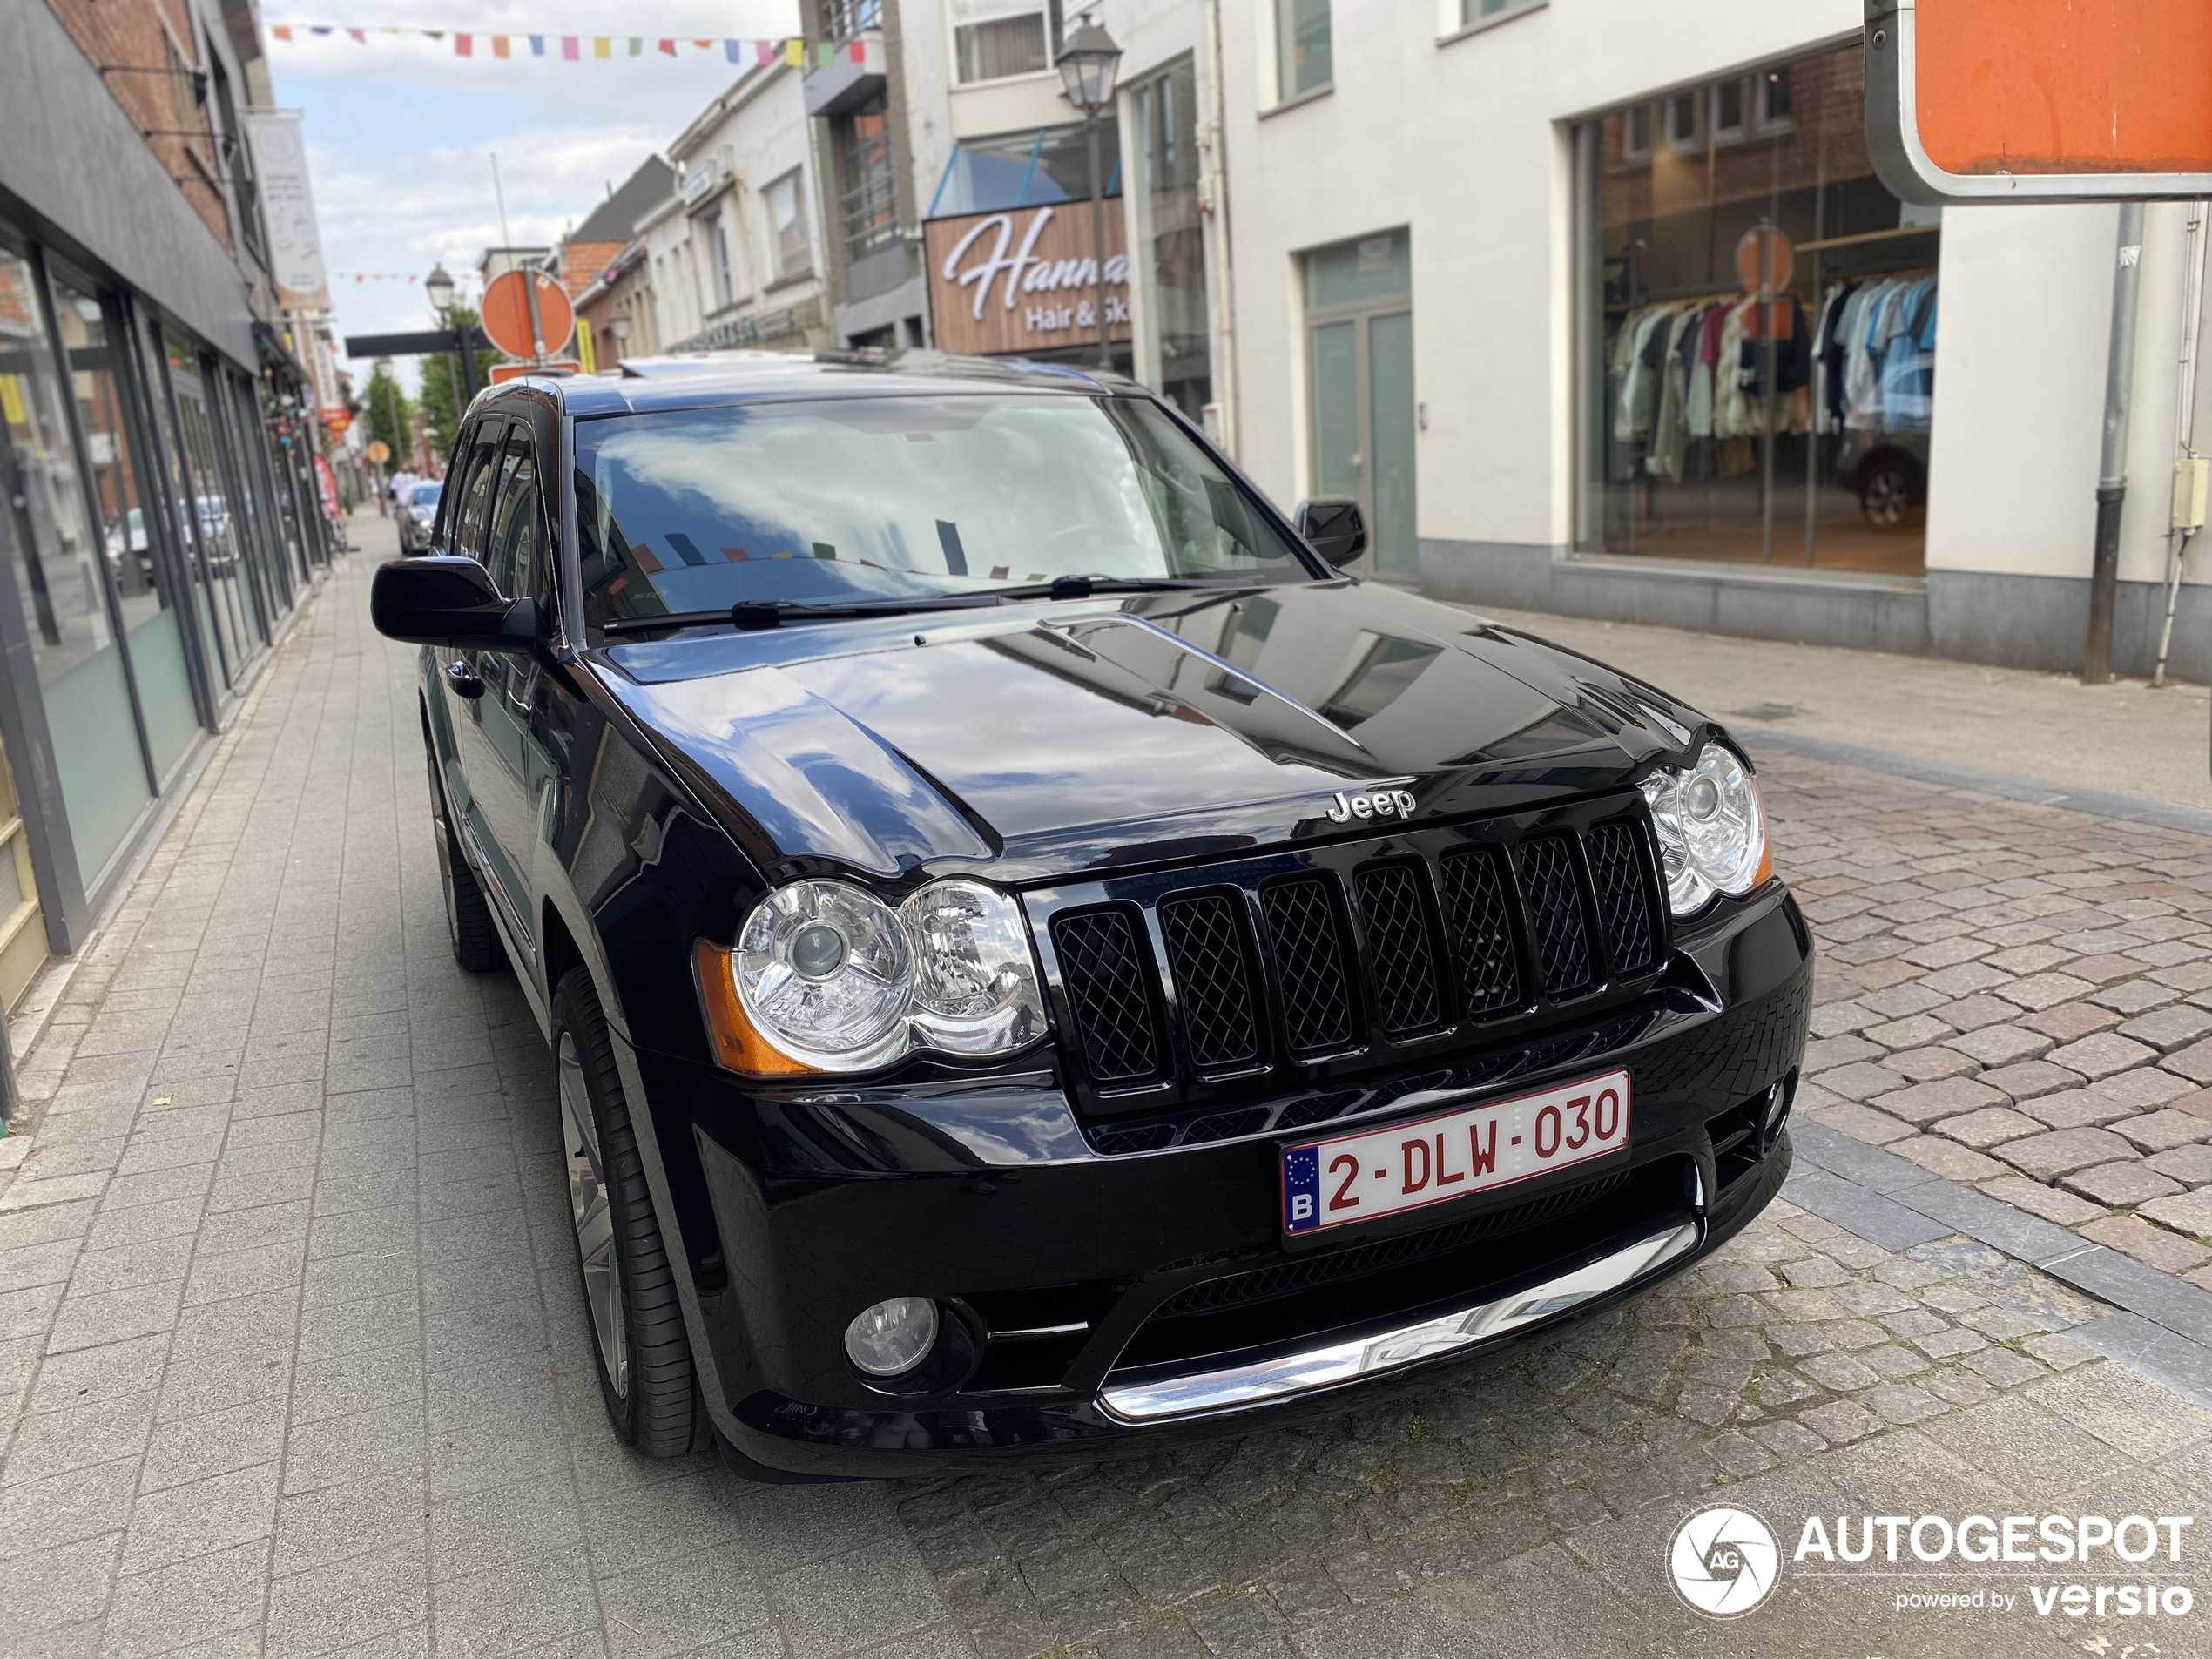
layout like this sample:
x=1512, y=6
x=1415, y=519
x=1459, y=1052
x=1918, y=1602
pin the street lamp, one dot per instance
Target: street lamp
x=1088, y=63
x=618, y=325
x=437, y=288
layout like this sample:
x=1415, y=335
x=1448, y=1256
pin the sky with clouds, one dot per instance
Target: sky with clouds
x=401, y=130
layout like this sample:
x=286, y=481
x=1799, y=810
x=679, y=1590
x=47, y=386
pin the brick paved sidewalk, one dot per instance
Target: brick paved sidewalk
x=2012, y=997
x=292, y=1361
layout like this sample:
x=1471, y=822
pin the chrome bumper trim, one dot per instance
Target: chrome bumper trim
x=1344, y=1362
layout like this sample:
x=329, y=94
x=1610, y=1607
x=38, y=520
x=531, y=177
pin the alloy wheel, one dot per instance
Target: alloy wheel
x=1887, y=498
x=594, y=1228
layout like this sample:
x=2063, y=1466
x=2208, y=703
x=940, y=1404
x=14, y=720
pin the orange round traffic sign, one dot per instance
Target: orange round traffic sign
x=379, y=452
x=507, y=314
x=1765, y=258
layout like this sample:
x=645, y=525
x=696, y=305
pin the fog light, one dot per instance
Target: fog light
x=891, y=1336
x=1777, y=1114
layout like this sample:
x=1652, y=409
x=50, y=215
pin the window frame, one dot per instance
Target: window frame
x=457, y=524
x=786, y=271
x=1286, y=94
x=1052, y=13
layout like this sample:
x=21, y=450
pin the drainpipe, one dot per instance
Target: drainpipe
x=2177, y=541
x=1226, y=375
x=2112, y=469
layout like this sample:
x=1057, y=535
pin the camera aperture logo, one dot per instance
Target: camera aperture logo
x=1724, y=1562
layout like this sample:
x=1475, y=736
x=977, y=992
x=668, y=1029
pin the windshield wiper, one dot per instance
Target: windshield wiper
x=1081, y=587
x=752, y=614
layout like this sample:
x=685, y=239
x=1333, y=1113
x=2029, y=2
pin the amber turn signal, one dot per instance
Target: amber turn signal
x=738, y=1044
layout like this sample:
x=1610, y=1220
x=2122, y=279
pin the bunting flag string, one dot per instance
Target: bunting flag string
x=571, y=49
x=374, y=276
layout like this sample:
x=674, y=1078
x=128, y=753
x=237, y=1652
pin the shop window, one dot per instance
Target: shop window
x=61, y=580
x=788, y=218
x=1170, y=236
x=1026, y=168
x=150, y=608
x=1302, y=45
x=993, y=39
x=1715, y=427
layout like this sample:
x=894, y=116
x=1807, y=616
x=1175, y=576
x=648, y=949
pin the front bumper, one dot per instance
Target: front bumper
x=1093, y=1300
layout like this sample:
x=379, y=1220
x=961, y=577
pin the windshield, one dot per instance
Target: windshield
x=892, y=497
x=424, y=496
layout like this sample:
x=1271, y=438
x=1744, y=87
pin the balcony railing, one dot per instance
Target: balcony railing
x=842, y=19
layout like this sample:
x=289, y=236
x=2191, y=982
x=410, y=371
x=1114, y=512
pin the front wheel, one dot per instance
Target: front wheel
x=644, y=1357
x=1886, y=494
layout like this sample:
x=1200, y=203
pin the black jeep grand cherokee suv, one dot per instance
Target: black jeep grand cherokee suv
x=1037, y=957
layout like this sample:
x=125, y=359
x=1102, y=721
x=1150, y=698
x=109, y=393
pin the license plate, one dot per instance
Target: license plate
x=1406, y=1166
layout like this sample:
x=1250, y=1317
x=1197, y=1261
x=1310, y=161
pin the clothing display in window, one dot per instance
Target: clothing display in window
x=1875, y=356
x=1689, y=370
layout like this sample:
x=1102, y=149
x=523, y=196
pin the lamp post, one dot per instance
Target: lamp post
x=618, y=326
x=437, y=288
x=1088, y=63
x=392, y=415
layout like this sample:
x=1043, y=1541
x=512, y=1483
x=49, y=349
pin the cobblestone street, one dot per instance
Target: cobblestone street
x=292, y=1361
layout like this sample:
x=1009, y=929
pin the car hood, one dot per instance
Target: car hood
x=1048, y=738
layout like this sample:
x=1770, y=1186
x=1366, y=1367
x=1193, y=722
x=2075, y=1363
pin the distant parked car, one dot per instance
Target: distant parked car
x=418, y=518
x=1888, y=469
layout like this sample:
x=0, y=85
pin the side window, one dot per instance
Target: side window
x=517, y=534
x=471, y=523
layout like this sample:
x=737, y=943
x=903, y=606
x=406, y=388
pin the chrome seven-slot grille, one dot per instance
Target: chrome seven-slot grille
x=1301, y=959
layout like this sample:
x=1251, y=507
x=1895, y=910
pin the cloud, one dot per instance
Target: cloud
x=400, y=131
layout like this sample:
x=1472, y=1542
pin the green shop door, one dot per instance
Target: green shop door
x=1360, y=332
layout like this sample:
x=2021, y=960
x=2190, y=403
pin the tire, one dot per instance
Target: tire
x=1885, y=493
x=477, y=944
x=638, y=1341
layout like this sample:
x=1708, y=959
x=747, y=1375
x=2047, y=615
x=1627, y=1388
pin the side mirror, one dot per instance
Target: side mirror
x=443, y=600
x=1333, y=527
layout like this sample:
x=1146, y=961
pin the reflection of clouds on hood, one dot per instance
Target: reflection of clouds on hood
x=1027, y=747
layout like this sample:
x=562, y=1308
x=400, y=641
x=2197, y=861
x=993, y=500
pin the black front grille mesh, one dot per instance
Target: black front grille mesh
x=1401, y=958
x=1106, y=969
x=1623, y=895
x=1213, y=982
x=1477, y=934
x=1556, y=914
x=1474, y=893
x=1308, y=948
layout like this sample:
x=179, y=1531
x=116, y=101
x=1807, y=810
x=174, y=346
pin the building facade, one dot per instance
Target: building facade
x=159, y=444
x=738, y=246
x=1601, y=309
x=977, y=235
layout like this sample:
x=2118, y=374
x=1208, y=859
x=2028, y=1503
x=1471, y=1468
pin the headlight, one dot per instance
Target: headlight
x=827, y=977
x=1712, y=832
x=976, y=989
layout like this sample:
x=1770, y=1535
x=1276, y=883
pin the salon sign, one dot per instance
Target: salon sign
x=1023, y=280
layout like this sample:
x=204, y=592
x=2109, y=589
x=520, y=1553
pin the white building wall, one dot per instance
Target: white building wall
x=1466, y=142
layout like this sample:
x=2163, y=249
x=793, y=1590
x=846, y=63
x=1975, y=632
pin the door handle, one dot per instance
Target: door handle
x=465, y=680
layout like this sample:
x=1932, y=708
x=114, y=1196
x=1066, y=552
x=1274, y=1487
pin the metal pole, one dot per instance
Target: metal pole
x=1098, y=237
x=467, y=363
x=2112, y=468
x=2177, y=541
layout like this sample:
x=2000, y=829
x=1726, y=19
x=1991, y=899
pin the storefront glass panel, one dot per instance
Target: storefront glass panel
x=208, y=505
x=151, y=621
x=59, y=558
x=1794, y=432
x=1171, y=240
